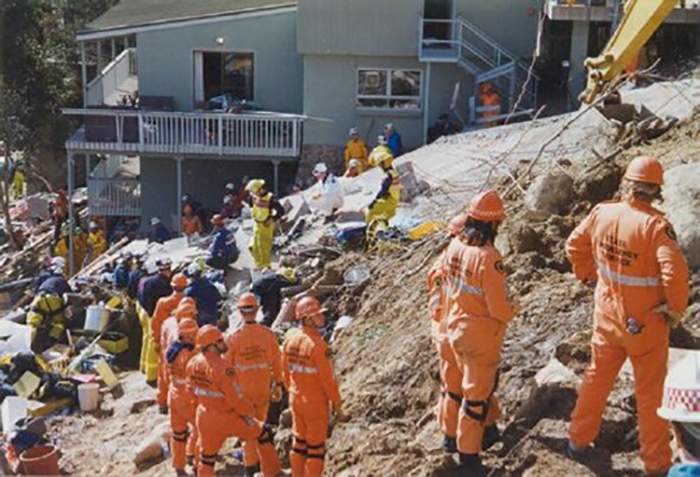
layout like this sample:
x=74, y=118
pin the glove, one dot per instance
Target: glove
x=340, y=415
x=316, y=196
x=672, y=318
x=276, y=395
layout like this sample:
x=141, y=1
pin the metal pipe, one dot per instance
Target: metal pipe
x=83, y=66
x=426, y=106
x=71, y=226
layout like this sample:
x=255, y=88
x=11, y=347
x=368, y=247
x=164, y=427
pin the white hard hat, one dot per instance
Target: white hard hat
x=382, y=139
x=352, y=131
x=353, y=163
x=681, y=402
x=58, y=262
x=164, y=263
x=228, y=199
x=230, y=186
x=151, y=267
x=93, y=225
x=193, y=269
x=320, y=168
x=155, y=221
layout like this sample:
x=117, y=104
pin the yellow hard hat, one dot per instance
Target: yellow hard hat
x=255, y=185
x=287, y=273
x=380, y=157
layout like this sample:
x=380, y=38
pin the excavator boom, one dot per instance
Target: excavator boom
x=640, y=20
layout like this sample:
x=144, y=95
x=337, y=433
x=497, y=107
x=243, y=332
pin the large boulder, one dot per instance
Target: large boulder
x=549, y=194
x=682, y=206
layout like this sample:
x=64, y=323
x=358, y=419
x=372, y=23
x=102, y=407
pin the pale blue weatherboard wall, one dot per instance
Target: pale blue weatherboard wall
x=166, y=59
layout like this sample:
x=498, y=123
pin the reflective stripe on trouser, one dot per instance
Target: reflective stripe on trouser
x=263, y=236
x=309, y=424
x=250, y=446
x=476, y=342
x=184, y=440
x=149, y=357
x=215, y=427
x=451, y=378
x=382, y=209
x=648, y=353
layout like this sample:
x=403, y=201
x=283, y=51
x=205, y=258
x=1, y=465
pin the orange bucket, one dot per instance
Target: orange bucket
x=40, y=460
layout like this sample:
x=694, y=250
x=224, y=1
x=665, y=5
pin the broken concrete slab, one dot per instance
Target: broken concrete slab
x=549, y=194
x=682, y=206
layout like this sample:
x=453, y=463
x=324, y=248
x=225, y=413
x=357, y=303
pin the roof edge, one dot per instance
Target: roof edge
x=97, y=33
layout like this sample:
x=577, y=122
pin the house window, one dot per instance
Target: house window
x=389, y=88
x=230, y=74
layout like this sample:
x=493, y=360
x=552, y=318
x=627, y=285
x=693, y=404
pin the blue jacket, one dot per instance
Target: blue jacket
x=161, y=233
x=55, y=284
x=685, y=470
x=394, y=143
x=220, y=247
x=132, y=288
x=152, y=289
x=206, y=295
x=121, y=276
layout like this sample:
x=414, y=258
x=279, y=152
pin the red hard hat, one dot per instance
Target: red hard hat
x=207, y=335
x=248, y=300
x=457, y=224
x=645, y=169
x=187, y=329
x=487, y=207
x=179, y=281
x=217, y=220
x=184, y=312
x=308, y=306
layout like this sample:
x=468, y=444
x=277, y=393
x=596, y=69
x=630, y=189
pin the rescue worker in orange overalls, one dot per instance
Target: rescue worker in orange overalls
x=164, y=308
x=182, y=403
x=255, y=356
x=477, y=316
x=627, y=251
x=308, y=375
x=168, y=332
x=490, y=99
x=450, y=372
x=222, y=409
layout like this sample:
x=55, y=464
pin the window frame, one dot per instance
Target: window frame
x=389, y=97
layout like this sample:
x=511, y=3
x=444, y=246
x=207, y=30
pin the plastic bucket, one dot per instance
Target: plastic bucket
x=96, y=318
x=40, y=460
x=88, y=396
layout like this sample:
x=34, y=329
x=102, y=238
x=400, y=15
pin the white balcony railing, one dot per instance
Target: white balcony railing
x=116, y=79
x=178, y=133
x=114, y=197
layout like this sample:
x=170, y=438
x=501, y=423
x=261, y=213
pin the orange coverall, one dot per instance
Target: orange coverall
x=223, y=411
x=477, y=314
x=308, y=375
x=255, y=356
x=629, y=248
x=164, y=308
x=450, y=371
x=183, y=407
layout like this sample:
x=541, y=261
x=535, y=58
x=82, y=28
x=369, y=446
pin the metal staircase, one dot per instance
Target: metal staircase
x=462, y=42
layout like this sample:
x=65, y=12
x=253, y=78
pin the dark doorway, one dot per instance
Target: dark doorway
x=230, y=74
x=438, y=15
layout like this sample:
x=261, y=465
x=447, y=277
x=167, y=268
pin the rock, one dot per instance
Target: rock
x=295, y=207
x=599, y=184
x=553, y=394
x=411, y=187
x=554, y=373
x=549, y=194
x=154, y=447
x=682, y=206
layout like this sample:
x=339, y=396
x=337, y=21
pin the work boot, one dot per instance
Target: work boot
x=153, y=384
x=251, y=470
x=573, y=452
x=491, y=436
x=449, y=445
x=471, y=465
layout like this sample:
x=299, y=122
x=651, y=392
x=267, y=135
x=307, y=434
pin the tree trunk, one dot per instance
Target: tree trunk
x=4, y=201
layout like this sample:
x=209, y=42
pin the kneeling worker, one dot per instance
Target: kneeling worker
x=47, y=312
x=222, y=409
x=308, y=375
x=384, y=204
x=255, y=356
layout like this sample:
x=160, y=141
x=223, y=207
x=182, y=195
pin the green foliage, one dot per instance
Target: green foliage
x=40, y=64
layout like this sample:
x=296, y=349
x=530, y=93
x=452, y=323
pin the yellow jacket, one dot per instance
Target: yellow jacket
x=97, y=242
x=356, y=150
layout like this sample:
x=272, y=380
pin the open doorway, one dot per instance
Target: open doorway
x=438, y=27
x=223, y=78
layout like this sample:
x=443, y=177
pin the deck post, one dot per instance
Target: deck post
x=71, y=224
x=276, y=165
x=178, y=161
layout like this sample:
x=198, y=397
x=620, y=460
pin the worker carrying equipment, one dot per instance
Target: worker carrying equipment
x=478, y=314
x=164, y=308
x=265, y=210
x=254, y=354
x=681, y=406
x=627, y=251
x=181, y=400
x=309, y=378
x=384, y=204
x=222, y=409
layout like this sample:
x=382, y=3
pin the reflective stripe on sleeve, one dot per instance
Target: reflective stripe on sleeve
x=179, y=382
x=250, y=367
x=303, y=369
x=468, y=289
x=207, y=393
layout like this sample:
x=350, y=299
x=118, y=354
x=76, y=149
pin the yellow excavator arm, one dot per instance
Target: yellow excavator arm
x=640, y=20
